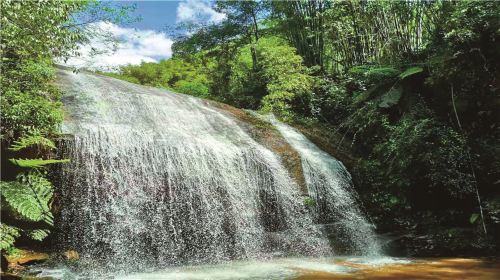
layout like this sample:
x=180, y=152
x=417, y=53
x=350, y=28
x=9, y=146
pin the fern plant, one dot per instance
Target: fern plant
x=39, y=234
x=30, y=195
x=34, y=138
x=35, y=163
x=8, y=235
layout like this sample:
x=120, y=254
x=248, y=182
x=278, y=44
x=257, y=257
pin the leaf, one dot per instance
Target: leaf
x=8, y=235
x=39, y=234
x=473, y=218
x=410, y=72
x=394, y=200
x=32, y=140
x=36, y=163
x=391, y=98
x=30, y=195
x=367, y=94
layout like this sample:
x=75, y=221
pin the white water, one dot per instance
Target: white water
x=329, y=185
x=159, y=179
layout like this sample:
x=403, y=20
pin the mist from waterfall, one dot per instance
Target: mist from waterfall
x=159, y=179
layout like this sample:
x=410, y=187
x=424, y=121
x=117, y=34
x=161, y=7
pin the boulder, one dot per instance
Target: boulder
x=71, y=255
x=24, y=257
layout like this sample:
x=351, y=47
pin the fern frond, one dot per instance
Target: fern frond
x=30, y=196
x=34, y=139
x=8, y=235
x=410, y=72
x=38, y=234
x=36, y=163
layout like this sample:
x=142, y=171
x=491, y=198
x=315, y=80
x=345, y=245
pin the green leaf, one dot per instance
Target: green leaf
x=35, y=139
x=410, y=72
x=39, y=234
x=36, y=163
x=473, y=218
x=367, y=94
x=394, y=200
x=30, y=195
x=8, y=235
x=391, y=98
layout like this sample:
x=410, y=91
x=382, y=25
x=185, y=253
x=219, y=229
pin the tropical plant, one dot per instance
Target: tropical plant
x=29, y=196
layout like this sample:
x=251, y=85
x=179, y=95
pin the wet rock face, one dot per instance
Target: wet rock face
x=266, y=134
x=330, y=141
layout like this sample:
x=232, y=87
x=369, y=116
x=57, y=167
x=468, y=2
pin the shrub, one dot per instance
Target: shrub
x=192, y=88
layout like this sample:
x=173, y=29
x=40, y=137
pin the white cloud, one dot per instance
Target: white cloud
x=198, y=11
x=134, y=46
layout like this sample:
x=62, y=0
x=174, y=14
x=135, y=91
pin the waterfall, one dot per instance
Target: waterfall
x=158, y=178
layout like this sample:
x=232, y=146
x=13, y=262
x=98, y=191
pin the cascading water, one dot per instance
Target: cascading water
x=158, y=178
x=329, y=185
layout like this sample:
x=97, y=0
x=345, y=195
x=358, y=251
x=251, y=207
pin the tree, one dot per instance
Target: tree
x=303, y=24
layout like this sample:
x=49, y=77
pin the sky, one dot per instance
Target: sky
x=146, y=40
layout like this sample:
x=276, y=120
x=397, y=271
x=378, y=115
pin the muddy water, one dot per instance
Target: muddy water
x=443, y=269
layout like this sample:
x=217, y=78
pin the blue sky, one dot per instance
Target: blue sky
x=156, y=15
x=146, y=40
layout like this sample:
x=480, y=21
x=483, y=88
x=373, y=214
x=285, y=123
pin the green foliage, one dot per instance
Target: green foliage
x=36, y=163
x=309, y=202
x=192, y=88
x=281, y=81
x=121, y=77
x=45, y=21
x=410, y=72
x=30, y=195
x=391, y=98
x=8, y=235
x=437, y=151
x=278, y=83
x=303, y=24
x=33, y=139
x=39, y=234
x=28, y=100
x=287, y=81
x=177, y=74
x=246, y=85
x=373, y=32
x=374, y=74
x=473, y=218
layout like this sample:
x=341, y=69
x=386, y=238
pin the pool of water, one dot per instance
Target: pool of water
x=318, y=268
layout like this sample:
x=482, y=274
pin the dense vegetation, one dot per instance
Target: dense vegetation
x=410, y=86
